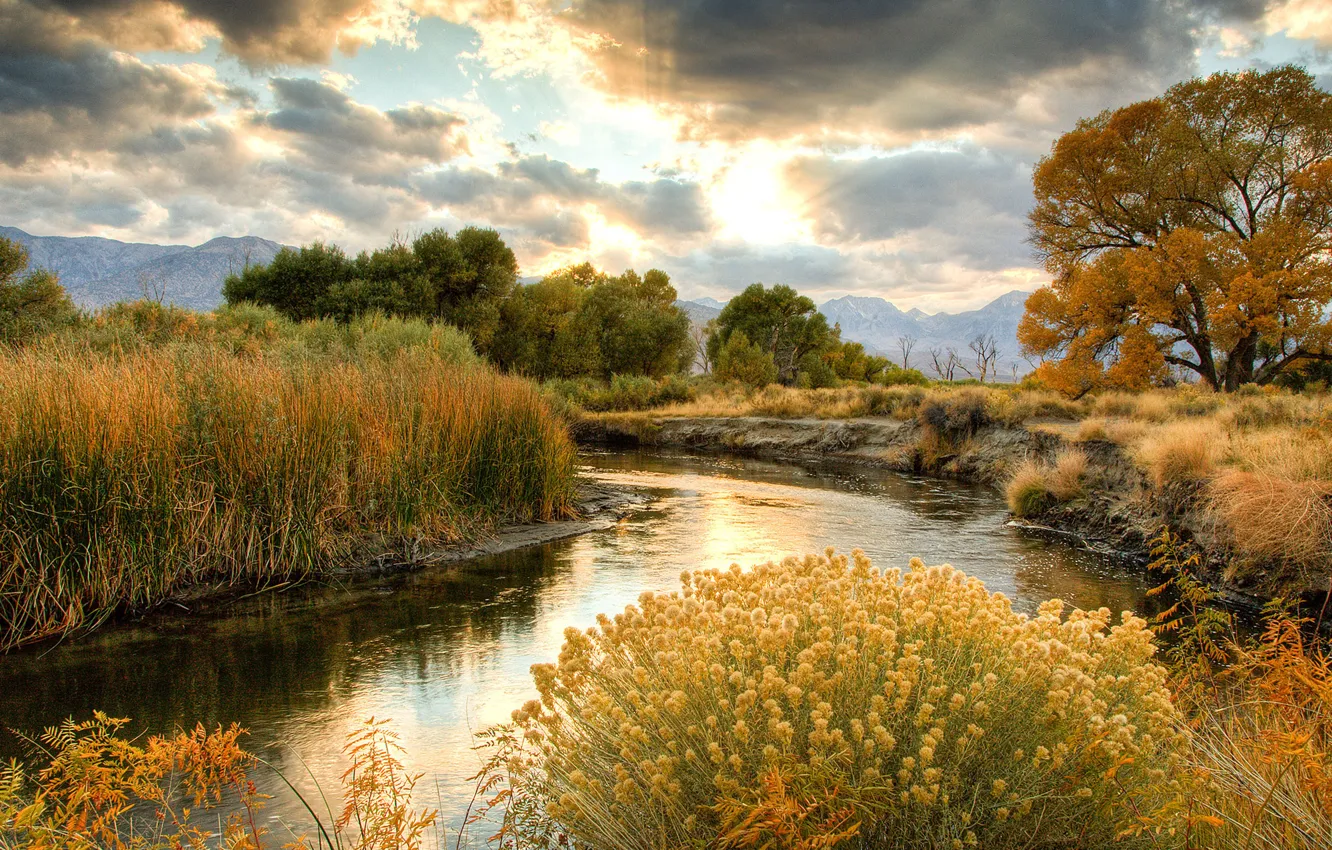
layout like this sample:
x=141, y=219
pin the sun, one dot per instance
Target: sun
x=749, y=197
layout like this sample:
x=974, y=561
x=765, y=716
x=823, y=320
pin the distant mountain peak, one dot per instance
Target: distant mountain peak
x=98, y=271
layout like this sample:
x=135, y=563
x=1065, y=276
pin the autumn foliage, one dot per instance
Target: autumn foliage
x=1192, y=230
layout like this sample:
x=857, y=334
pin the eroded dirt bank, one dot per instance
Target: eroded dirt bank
x=1119, y=509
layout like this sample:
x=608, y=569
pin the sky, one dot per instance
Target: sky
x=837, y=146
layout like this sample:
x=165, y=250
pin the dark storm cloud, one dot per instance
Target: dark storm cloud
x=535, y=192
x=334, y=132
x=738, y=67
x=273, y=32
x=967, y=202
x=58, y=95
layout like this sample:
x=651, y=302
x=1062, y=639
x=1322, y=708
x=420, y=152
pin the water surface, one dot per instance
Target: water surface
x=446, y=652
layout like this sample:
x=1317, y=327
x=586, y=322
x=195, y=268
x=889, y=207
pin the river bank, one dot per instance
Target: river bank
x=597, y=506
x=1119, y=507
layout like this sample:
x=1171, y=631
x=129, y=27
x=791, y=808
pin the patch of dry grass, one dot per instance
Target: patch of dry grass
x=1066, y=477
x=1182, y=453
x=1035, y=486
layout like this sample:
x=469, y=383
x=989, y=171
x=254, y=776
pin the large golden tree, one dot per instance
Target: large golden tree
x=1192, y=230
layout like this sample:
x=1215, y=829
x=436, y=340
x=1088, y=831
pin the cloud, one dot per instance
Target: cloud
x=546, y=199
x=934, y=204
x=332, y=132
x=274, y=32
x=61, y=94
x=791, y=67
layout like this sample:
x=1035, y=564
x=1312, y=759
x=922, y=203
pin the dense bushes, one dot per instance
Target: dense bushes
x=128, y=478
x=32, y=305
x=582, y=323
x=253, y=330
x=624, y=392
x=819, y=697
x=460, y=279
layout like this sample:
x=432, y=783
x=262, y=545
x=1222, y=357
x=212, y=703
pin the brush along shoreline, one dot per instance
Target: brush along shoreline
x=597, y=506
x=1118, y=510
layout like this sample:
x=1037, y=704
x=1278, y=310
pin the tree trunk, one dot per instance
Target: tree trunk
x=1239, y=363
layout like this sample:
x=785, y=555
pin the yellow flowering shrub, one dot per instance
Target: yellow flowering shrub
x=820, y=698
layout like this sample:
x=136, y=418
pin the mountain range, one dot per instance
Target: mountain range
x=98, y=271
x=879, y=325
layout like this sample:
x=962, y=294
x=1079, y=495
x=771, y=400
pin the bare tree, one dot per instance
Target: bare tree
x=942, y=365
x=946, y=363
x=152, y=286
x=955, y=362
x=986, y=351
x=906, y=343
x=700, y=335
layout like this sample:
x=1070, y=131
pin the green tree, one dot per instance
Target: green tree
x=640, y=330
x=739, y=359
x=387, y=281
x=541, y=332
x=296, y=282
x=32, y=304
x=471, y=274
x=779, y=320
x=579, y=321
x=1192, y=230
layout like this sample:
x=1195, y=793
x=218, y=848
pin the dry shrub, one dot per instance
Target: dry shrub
x=1192, y=400
x=956, y=414
x=1182, y=454
x=1115, y=404
x=1065, y=478
x=1028, y=491
x=918, y=707
x=1152, y=407
x=1259, y=412
x=1090, y=430
x=1125, y=432
x=1275, y=518
x=1276, y=505
x=1260, y=745
x=99, y=789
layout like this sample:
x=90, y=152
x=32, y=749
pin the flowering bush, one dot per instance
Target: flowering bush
x=818, y=701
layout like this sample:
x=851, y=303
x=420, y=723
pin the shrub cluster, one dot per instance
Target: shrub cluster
x=624, y=392
x=818, y=695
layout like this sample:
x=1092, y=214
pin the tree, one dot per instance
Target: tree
x=33, y=304
x=640, y=331
x=388, y=281
x=700, y=334
x=580, y=321
x=1193, y=230
x=779, y=320
x=906, y=343
x=470, y=274
x=296, y=282
x=986, y=351
x=741, y=360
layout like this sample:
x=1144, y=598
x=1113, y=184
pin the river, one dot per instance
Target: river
x=446, y=652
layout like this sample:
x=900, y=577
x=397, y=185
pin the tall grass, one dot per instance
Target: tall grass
x=126, y=479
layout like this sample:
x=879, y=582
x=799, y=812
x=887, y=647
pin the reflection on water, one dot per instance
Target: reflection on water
x=446, y=652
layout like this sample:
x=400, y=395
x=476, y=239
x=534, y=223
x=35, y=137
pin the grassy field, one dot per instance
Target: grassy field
x=158, y=450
